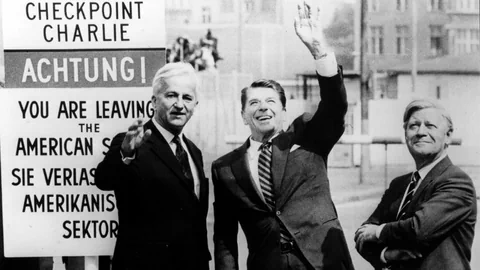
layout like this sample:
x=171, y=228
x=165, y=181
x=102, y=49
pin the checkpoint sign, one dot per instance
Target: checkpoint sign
x=76, y=73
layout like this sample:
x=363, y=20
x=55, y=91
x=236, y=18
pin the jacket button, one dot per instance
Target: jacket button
x=278, y=213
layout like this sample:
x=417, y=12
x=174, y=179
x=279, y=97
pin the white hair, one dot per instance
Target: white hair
x=170, y=70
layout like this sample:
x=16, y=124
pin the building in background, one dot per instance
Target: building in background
x=463, y=28
x=444, y=27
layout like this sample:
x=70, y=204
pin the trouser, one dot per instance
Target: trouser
x=293, y=259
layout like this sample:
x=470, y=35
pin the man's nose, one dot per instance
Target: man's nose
x=179, y=103
x=263, y=106
x=422, y=130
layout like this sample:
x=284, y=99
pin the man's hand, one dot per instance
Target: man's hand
x=366, y=233
x=309, y=30
x=134, y=138
x=401, y=255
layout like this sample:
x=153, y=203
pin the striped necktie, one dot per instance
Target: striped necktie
x=265, y=174
x=266, y=184
x=408, y=198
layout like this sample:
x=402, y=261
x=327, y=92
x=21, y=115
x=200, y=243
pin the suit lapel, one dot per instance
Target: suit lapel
x=280, y=151
x=160, y=147
x=397, y=203
x=197, y=159
x=434, y=173
x=241, y=172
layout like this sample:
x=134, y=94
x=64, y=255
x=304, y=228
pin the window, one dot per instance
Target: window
x=436, y=36
x=465, y=41
x=178, y=4
x=268, y=5
x=435, y=5
x=474, y=40
x=402, y=36
x=465, y=5
x=460, y=41
x=227, y=6
x=373, y=5
x=206, y=15
x=249, y=5
x=375, y=45
x=402, y=5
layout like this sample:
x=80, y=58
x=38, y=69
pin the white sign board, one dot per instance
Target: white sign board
x=83, y=24
x=65, y=98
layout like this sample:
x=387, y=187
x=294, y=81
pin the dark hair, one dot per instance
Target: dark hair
x=263, y=83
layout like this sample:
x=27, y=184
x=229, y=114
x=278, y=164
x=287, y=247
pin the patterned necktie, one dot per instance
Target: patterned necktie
x=265, y=173
x=411, y=188
x=266, y=184
x=182, y=158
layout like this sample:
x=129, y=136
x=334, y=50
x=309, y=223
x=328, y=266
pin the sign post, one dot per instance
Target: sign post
x=76, y=73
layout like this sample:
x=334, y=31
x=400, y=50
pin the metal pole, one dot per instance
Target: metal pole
x=356, y=37
x=414, y=45
x=386, y=165
x=364, y=94
x=240, y=35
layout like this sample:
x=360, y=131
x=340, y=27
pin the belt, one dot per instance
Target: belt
x=287, y=247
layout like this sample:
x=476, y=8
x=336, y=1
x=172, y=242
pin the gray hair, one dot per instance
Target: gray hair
x=421, y=104
x=170, y=70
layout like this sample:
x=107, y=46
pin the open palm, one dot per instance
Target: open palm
x=308, y=29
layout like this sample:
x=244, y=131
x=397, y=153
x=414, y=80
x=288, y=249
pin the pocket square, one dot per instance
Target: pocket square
x=294, y=147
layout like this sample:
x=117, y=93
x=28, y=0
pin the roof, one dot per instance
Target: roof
x=450, y=64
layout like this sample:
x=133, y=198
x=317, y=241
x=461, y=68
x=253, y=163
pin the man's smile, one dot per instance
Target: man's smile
x=264, y=117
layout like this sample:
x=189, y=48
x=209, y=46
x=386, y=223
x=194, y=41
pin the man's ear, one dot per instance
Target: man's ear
x=449, y=135
x=154, y=98
x=243, y=117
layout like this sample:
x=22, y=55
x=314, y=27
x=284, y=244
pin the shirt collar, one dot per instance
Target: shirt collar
x=256, y=145
x=425, y=170
x=165, y=133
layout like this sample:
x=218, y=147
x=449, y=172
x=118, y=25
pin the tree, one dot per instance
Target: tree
x=339, y=34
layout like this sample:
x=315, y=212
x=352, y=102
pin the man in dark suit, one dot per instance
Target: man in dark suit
x=159, y=183
x=426, y=219
x=275, y=185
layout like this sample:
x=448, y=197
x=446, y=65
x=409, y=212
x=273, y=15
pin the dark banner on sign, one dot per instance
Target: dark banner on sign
x=82, y=68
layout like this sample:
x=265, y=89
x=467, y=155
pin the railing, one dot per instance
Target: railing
x=356, y=140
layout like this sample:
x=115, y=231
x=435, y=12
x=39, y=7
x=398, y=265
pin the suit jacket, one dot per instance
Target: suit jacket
x=161, y=220
x=439, y=222
x=302, y=193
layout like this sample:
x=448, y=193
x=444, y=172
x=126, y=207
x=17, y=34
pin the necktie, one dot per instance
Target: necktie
x=182, y=158
x=408, y=198
x=265, y=174
x=266, y=184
